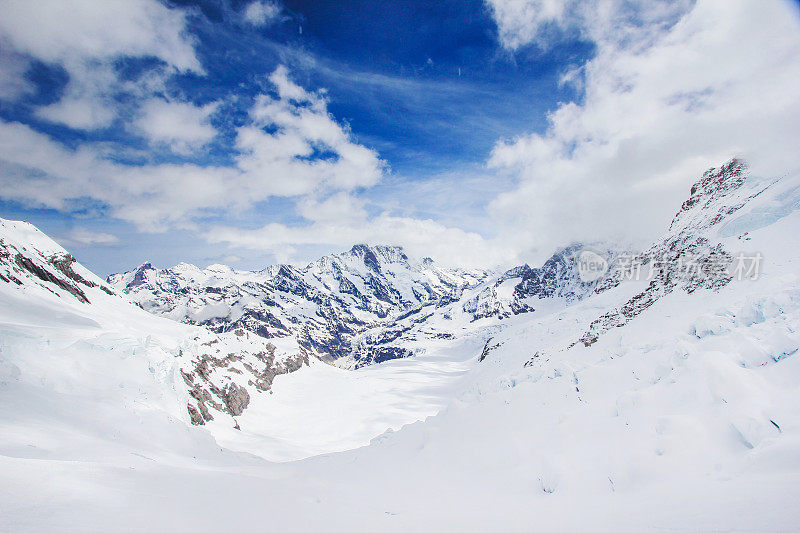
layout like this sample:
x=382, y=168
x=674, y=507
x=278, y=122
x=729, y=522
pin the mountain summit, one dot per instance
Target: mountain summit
x=324, y=305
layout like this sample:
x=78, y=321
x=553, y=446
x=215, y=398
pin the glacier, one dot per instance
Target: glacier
x=524, y=400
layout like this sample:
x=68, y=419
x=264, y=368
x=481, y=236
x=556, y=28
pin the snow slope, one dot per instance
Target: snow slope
x=678, y=413
x=55, y=308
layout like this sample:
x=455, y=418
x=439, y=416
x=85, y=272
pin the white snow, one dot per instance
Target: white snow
x=685, y=419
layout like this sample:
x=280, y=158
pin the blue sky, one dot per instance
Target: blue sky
x=250, y=132
x=425, y=84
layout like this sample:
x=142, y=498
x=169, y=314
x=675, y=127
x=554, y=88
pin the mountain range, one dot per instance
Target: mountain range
x=665, y=380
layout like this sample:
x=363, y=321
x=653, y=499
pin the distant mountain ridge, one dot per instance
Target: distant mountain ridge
x=364, y=305
x=324, y=305
x=372, y=303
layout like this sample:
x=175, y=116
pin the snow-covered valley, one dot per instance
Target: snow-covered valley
x=531, y=400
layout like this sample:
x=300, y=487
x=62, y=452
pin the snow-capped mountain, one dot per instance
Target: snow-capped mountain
x=211, y=374
x=660, y=394
x=354, y=307
x=324, y=305
x=687, y=256
x=520, y=289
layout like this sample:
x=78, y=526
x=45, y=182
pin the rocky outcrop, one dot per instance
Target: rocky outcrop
x=685, y=258
x=518, y=289
x=224, y=381
x=324, y=305
x=236, y=399
x=53, y=270
x=44, y=274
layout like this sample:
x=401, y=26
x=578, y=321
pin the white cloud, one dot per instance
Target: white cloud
x=341, y=208
x=55, y=31
x=86, y=237
x=85, y=37
x=262, y=12
x=659, y=107
x=13, y=67
x=285, y=158
x=419, y=237
x=520, y=22
x=79, y=112
x=539, y=22
x=280, y=162
x=182, y=126
x=86, y=103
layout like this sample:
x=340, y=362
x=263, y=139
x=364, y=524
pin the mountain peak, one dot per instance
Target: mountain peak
x=714, y=185
x=141, y=275
x=375, y=255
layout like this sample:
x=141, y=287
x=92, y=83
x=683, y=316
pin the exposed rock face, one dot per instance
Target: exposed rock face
x=324, y=305
x=46, y=275
x=221, y=371
x=684, y=257
x=699, y=210
x=236, y=399
x=518, y=290
x=52, y=268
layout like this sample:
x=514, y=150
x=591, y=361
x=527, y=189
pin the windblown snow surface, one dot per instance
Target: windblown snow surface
x=685, y=418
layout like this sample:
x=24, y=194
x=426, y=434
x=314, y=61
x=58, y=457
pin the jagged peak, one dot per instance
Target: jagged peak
x=713, y=185
x=366, y=253
x=515, y=272
x=285, y=271
x=373, y=256
x=385, y=251
x=184, y=267
x=721, y=180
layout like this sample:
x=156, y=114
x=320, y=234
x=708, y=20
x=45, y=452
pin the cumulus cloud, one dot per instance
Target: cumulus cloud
x=673, y=87
x=419, y=237
x=13, y=83
x=675, y=95
x=86, y=237
x=181, y=126
x=85, y=37
x=341, y=208
x=522, y=22
x=295, y=146
x=291, y=147
x=261, y=12
x=56, y=31
x=539, y=22
x=80, y=109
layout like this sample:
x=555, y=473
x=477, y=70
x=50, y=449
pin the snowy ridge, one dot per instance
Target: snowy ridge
x=28, y=255
x=324, y=305
x=688, y=256
x=679, y=413
x=211, y=374
x=520, y=289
